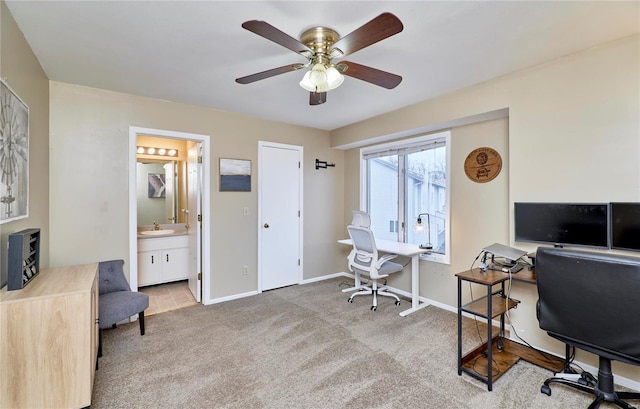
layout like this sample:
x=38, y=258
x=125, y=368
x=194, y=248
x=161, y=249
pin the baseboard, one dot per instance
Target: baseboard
x=619, y=380
x=327, y=277
x=230, y=297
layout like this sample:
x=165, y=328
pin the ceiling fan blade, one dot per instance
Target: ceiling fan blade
x=374, y=76
x=269, y=73
x=381, y=27
x=317, y=98
x=269, y=32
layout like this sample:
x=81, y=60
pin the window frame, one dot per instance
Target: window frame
x=402, y=194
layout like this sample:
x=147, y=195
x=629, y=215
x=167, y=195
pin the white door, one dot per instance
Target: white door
x=170, y=192
x=280, y=223
x=194, y=189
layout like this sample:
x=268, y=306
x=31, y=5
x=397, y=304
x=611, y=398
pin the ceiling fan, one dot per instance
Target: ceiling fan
x=320, y=45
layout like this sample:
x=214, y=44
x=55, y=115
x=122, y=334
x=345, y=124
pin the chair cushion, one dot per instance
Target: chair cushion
x=389, y=267
x=111, y=277
x=120, y=305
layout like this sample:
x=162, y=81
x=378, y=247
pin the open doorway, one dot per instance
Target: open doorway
x=169, y=196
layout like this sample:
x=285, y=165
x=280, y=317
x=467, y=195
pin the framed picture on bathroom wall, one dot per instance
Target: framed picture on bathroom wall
x=235, y=175
x=14, y=156
x=157, y=186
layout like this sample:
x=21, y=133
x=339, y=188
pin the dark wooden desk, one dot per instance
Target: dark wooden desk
x=525, y=275
x=504, y=353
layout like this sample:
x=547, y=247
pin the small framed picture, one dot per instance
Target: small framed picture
x=157, y=185
x=235, y=175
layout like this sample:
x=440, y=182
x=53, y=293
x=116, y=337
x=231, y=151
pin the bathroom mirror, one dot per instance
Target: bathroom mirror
x=161, y=181
x=159, y=192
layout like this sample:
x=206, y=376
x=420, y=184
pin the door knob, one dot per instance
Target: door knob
x=266, y=225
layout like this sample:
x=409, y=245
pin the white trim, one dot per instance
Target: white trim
x=231, y=297
x=206, y=203
x=620, y=380
x=327, y=277
x=300, y=150
x=441, y=126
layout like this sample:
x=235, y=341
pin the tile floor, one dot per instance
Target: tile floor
x=167, y=297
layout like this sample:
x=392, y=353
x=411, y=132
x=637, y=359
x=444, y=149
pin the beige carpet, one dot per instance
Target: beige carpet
x=306, y=347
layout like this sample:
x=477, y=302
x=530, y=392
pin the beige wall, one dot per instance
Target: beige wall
x=89, y=182
x=22, y=72
x=573, y=135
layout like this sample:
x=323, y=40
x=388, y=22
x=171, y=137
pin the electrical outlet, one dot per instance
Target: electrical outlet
x=245, y=270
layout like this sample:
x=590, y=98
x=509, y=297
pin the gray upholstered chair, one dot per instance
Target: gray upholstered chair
x=364, y=259
x=117, y=302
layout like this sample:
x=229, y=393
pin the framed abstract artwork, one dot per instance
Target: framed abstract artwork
x=157, y=185
x=14, y=156
x=235, y=175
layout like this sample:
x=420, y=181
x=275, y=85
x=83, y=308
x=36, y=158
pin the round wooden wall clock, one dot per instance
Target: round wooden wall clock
x=483, y=165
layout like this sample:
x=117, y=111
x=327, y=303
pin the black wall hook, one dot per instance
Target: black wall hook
x=320, y=164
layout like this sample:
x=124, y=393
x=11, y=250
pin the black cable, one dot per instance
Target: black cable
x=545, y=355
x=475, y=317
x=476, y=259
x=494, y=374
x=584, y=374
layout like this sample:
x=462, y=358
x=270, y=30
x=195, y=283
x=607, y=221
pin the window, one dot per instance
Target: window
x=403, y=180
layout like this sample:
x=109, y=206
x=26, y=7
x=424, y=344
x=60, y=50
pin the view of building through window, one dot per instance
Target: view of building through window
x=404, y=183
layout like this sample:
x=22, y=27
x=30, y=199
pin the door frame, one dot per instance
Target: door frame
x=299, y=149
x=134, y=131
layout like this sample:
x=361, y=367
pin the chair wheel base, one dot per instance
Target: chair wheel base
x=374, y=308
x=546, y=390
x=398, y=302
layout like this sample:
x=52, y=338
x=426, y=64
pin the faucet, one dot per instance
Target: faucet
x=156, y=226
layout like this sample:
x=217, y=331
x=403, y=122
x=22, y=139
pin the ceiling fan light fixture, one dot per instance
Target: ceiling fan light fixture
x=334, y=78
x=318, y=75
x=321, y=79
x=306, y=82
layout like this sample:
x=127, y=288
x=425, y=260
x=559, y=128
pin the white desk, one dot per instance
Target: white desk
x=407, y=250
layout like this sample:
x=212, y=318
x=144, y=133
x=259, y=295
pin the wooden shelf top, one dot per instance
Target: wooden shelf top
x=486, y=277
x=54, y=281
x=491, y=277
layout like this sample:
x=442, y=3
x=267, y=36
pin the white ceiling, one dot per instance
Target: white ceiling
x=191, y=52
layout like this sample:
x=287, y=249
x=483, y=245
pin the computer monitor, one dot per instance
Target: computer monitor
x=571, y=224
x=625, y=226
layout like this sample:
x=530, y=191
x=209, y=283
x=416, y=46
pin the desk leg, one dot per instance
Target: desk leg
x=415, y=287
x=489, y=341
x=459, y=326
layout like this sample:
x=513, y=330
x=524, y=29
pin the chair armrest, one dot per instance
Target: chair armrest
x=384, y=259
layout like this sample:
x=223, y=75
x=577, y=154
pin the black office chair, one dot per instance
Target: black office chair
x=590, y=301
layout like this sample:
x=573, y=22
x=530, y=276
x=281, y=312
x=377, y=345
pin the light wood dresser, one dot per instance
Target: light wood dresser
x=49, y=339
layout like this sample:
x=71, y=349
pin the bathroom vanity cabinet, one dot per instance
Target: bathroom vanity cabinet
x=162, y=259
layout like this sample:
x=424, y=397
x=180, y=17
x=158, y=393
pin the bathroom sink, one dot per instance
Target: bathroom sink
x=157, y=232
